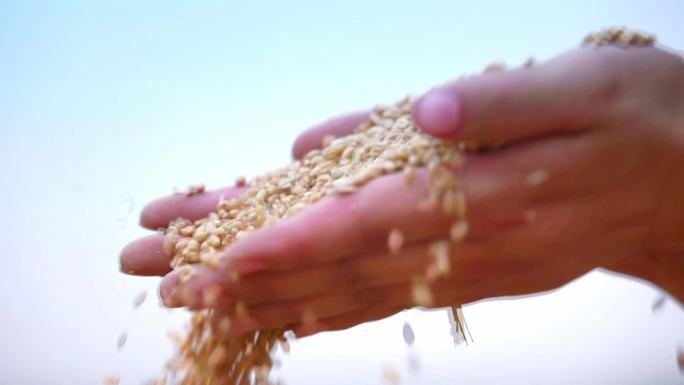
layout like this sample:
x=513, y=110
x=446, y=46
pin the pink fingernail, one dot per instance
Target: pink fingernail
x=438, y=113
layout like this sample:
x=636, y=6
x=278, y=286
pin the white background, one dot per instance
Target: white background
x=106, y=105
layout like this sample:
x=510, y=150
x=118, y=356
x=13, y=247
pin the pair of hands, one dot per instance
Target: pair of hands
x=602, y=130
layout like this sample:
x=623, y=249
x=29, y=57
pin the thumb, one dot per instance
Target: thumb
x=570, y=92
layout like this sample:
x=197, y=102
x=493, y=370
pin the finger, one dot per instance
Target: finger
x=475, y=277
x=160, y=212
x=350, y=273
x=145, y=256
x=341, y=226
x=346, y=320
x=309, y=311
x=573, y=91
x=338, y=126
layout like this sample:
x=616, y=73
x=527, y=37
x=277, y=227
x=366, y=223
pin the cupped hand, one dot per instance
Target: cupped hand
x=145, y=256
x=588, y=172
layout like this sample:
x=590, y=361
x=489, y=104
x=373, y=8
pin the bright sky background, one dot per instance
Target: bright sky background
x=105, y=105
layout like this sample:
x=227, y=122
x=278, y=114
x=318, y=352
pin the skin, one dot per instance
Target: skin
x=605, y=125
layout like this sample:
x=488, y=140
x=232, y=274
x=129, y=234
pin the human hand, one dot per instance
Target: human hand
x=589, y=175
x=145, y=256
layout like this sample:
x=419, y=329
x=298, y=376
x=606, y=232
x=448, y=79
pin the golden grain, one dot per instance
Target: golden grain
x=111, y=379
x=619, y=36
x=241, y=310
x=390, y=376
x=309, y=320
x=458, y=231
x=422, y=295
x=394, y=241
x=174, y=336
x=194, y=189
x=495, y=67
x=210, y=295
x=439, y=251
x=537, y=177
x=224, y=326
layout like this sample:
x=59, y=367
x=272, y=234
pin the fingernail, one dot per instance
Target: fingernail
x=438, y=113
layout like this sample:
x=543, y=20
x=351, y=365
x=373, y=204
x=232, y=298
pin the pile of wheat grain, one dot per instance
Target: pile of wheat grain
x=389, y=142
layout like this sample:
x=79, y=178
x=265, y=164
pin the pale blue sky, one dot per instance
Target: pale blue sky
x=107, y=104
x=155, y=64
